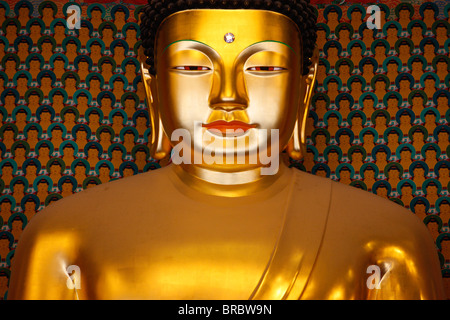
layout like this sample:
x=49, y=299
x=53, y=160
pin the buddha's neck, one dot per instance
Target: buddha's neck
x=226, y=184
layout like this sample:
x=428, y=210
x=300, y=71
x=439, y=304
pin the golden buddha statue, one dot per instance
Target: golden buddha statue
x=226, y=229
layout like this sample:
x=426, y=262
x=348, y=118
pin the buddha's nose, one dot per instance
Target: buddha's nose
x=229, y=92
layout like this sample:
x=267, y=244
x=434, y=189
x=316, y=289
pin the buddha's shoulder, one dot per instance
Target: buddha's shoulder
x=100, y=202
x=359, y=210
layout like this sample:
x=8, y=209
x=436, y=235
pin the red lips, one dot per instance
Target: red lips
x=223, y=125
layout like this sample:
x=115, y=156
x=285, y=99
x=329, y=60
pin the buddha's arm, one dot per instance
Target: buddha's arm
x=40, y=266
x=409, y=270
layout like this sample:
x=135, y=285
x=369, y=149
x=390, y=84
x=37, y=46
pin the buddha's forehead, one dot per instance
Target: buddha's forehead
x=209, y=26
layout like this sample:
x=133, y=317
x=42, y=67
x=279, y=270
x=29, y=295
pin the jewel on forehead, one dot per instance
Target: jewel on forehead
x=229, y=37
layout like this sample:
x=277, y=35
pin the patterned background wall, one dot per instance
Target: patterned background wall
x=73, y=113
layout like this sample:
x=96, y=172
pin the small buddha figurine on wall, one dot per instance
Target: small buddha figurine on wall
x=238, y=75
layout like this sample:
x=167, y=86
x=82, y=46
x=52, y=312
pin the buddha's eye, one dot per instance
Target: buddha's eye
x=265, y=68
x=192, y=68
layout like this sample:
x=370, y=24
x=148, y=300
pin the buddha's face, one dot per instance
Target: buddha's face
x=10, y=64
x=22, y=82
x=392, y=32
x=30, y=206
x=131, y=34
x=367, y=103
x=20, y=152
x=369, y=174
x=96, y=49
x=6, y=206
x=116, y=154
x=130, y=103
x=428, y=14
x=82, y=101
x=58, y=99
x=81, y=135
x=18, y=188
x=31, y=169
x=393, y=173
x=83, y=66
x=46, y=82
x=96, y=14
x=94, y=118
x=80, y=170
x=417, y=136
x=441, y=32
x=204, y=83
x=333, y=16
x=107, y=67
x=71, y=47
x=7, y=170
x=92, y=153
x=405, y=155
x=24, y=12
x=57, y=133
x=103, y=171
x=356, y=51
x=442, y=136
x=17, y=225
x=60, y=30
x=430, y=154
x=428, y=49
x=333, y=157
x=33, y=134
x=119, y=16
x=432, y=190
x=403, y=14
x=356, y=121
x=320, y=139
x=55, y=169
x=392, y=67
x=35, y=64
x=44, y=151
x=404, y=84
x=356, y=15
x=419, y=208
x=46, y=47
x=429, y=83
x=69, y=117
x=119, y=51
x=66, y=187
x=368, y=68
x=95, y=84
x=70, y=82
x=107, y=33
x=392, y=138
x=117, y=119
x=441, y=66
x=84, y=32
x=68, y=152
x=444, y=208
x=416, y=32
x=42, y=186
x=23, y=46
x=11, y=29
x=47, y=13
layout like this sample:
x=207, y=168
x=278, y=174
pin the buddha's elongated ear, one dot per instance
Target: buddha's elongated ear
x=296, y=147
x=160, y=144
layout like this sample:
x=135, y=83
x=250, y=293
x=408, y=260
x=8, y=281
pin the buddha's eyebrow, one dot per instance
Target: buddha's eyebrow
x=184, y=40
x=276, y=42
x=244, y=49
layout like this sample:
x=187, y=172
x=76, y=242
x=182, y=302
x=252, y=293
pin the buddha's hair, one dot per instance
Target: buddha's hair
x=299, y=11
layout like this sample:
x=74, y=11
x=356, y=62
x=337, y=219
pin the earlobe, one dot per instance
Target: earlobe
x=160, y=143
x=296, y=147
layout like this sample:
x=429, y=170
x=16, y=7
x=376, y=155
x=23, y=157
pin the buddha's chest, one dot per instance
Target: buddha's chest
x=183, y=257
